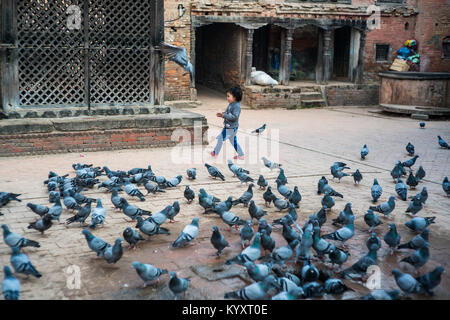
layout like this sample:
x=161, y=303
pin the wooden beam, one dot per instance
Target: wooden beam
x=287, y=54
x=157, y=57
x=362, y=51
x=249, y=56
x=326, y=55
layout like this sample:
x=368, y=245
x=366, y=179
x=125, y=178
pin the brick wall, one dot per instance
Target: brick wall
x=356, y=95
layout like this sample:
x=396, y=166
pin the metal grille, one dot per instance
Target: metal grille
x=105, y=61
x=381, y=52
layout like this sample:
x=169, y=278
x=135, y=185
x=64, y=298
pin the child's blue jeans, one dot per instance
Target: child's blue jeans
x=229, y=134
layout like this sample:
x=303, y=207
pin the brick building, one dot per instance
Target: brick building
x=341, y=42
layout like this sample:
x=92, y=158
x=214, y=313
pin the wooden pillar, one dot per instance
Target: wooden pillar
x=157, y=57
x=286, y=54
x=193, y=53
x=326, y=55
x=362, y=51
x=249, y=56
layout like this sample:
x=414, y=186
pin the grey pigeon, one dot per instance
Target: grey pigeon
x=357, y=176
x=336, y=170
x=401, y=189
x=56, y=210
x=132, y=211
x=269, y=196
x=392, y=238
x=417, y=242
x=112, y=254
x=262, y=183
x=442, y=143
x=22, y=264
x=409, y=163
x=258, y=272
x=178, y=285
x=148, y=272
x=70, y=202
x=189, y=194
x=95, y=244
x=255, y=211
x=446, y=186
x=246, y=233
x=411, y=181
x=364, y=152
x=222, y=206
x=327, y=189
x=245, y=197
x=160, y=180
x=173, y=182
x=173, y=211
x=161, y=216
x=431, y=279
x=267, y=242
x=337, y=256
x=407, y=283
x=343, y=234
x=255, y=291
x=303, y=250
x=53, y=195
x=269, y=164
x=422, y=195
x=178, y=55
x=187, y=235
x=281, y=254
x=293, y=295
x=376, y=191
x=359, y=268
x=320, y=216
x=321, y=246
x=10, y=285
x=289, y=286
x=382, y=295
x=206, y=200
x=151, y=187
x=420, y=173
x=109, y=184
x=38, y=209
x=15, y=240
x=150, y=228
x=116, y=199
x=82, y=214
x=235, y=169
x=386, y=207
x=419, y=224
x=191, y=173
x=283, y=190
x=372, y=219
x=282, y=177
x=132, y=237
x=260, y=129
x=288, y=233
x=290, y=217
x=335, y=286
x=42, y=224
x=218, y=241
x=231, y=219
x=418, y=258
x=250, y=253
x=295, y=197
x=322, y=182
x=98, y=215
x=263, y=225
x=6, y=197
x=214, y=172
x=422, y=125
x=309, y=272
x=284, y=274
x=373, y=242
x=328, y=201
x=313, y=290
x=139, y=170
x=132, y=190
x=414, y=206
x=244, y=178
x=410, y=149
x=345, y=217
x=398, y=170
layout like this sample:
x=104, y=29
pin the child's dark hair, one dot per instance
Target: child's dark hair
x=236, y=92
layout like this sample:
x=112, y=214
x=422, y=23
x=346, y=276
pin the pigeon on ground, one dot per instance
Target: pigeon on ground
x=112, y=254
x=206, y=201
x=407, y=283
x=191, y=173
x=322, y=182
x=293, y=295
x=357, y=176
x=376, y=191
x=178, y=285
x=343, y=234
x=283, y=190
x=218, y=241
x=382, y=295
x=267, y=242
x=412, y=182
x=282, y=177
x=289, y=286
x=132, y=190
x=139, y=170
x=359, y=268
x=409, y=163
x=260, y=129
x=148, y=272
x=410, y=149
x=231, y=219
x=327, y=189
x=118, y=173
x=446, y=186
x=284, y=274
x=417, y=242
x=161, y=216
x=160, y=180
x=419, y=224
x=290, y=217
x=345, y=217
x=98, y=215
x=336, y=170
x=263, y=225
x=327, y=201
x=109, y=184
x=258, y=272
x=373, y=242
x=335, y=286
x=6, y=197
x=281, y=254
x=79, y=198
x=418, y=258
x=95, y=244
x=372, y=219
x=309, y=272
x=255, y=291
x=189, y=194
x=42, y=224
x=15, y=240
x=269, y=196
x=53, y=195
x=431, y=279
x=174, y=210
x=442, y=143
x=414, y=206
x=295, y=197
x=420, y=173
x=269, y=164
x=364, y=152
x=187, y=235
x=221, y=206
x=255, y=211
x=178, y=55
x=321, y=246
x=244, y=178
x=38, y=209
x=262, y=183
x=149, y=227
x=422, y=125
x=132, y=237
x=246, y=196
x=116, y=199
x=386, y=207
x=303, y=251
x=78, y=166
x=288, y=233
x=172, y=183
x=313, y=290
x=82, y=214
x=132, y=211
x=250, y=253
x=22, y=264
x=235, y=169
x=10, y=285
x=392, y=238
x=56, y=210
x=214, y=172
x=401, y=189
x=337, y=256
x=320, y=216
x=397, y=171
x=151, y=187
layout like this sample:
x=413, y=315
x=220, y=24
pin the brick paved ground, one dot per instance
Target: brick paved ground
x=310, y=141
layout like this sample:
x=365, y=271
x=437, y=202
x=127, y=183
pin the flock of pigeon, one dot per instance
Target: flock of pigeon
x=262, y=258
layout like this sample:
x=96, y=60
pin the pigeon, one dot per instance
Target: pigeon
x=56, y=210
x=191, y=173
x=150, y=228
x=295, y=294
x=258, y=272
x=410, y=149
x=42, y=224
x=382, y=295
x=321, y=246
x=246, y=196
x=52, y=185
x=376, y=191
x=417, y=242
x=418, y=258
x=269, y=164
x=22, y=264
x=15, y=240
x=255, y=291
x=10, y=285
x=160, y=180
x=151, y=187
x=161, y=216
x=312, y=290
x=282, y=274
x=52, y=196
x=328, y=189
x=372, y=219
x=320, y=216
x=419, y=224
x=206, y=201
x=288, y=233
x=335, y=286
x=337, y=256
x=78, y=166
x=38, y=209
x=116, y=199
x=422, y=125
x=118, y=173
x=414, y=206
x=260, y=129
x=343, y=234
x=407, y=283
x=221, y=206
x=79, y=198
x=282, y=177
x=392, y=238
x=231, y=219
x=446, y=186
x=431, y=279
x=187, y=235
x=287, y=285
x=174, y=210
x=386, y=207
x=218, y=241
x=255, y=211
x=364, y=152
x=269, y=196
x=262, y=183
x=327, y=201
x=178, y=285
x=283, y=190
x=263, y=225
x=214, y=172
x=295, y=197
x=139, y=170
x=6, y=197
x=303, y=250
x=148, y=272
x=373, y=242
x=246, y=233
x=357, y=176
x=322, y=182
x=409, y=163
x=132, y=190
x=250, y=253
x=244, y=178
x=235, y=169
x=420, y=173
x=132, y=211
x=267, y=242
x=412, y=182
x=178, y=55
x=82, y=214
x=109, y=184
x=359, y=268
x=336, y=170
x=309, y=272
x=132, y=237
x=95, y=244
x=281, y=254
x=345, y=217
x=98, y=215
x=112, y=254
x=401, y=189
x=398, y=170
x=442, y=143
x=138, y=178
x=290, y=217
x=189, y=194
x=173, y=182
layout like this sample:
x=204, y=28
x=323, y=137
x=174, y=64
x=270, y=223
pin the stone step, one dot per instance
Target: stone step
x=311, y=96
x=313, y=103
x=310, y=89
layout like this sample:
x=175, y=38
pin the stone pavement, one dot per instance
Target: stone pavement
x=309, y=142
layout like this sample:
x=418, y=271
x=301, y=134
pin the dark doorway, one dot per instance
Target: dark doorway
x=341, y=55
x=260, y=48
